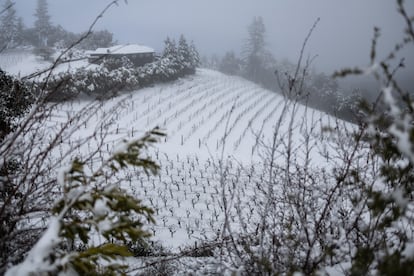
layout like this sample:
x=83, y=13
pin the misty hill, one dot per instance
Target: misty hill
x=196, y=113
x=172, y=169
x=210, y=119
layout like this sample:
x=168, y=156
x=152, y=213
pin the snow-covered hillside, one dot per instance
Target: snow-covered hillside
x=217, y=127
x=209, y=119
x=203, y=113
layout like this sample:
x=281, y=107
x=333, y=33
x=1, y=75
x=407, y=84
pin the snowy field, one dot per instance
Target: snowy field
x=214, y=123
x=23, y=62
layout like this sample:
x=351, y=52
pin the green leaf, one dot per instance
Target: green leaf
x=109, y=250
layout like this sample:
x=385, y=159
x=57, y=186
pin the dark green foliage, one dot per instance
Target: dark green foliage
x=396, y=264
x=15, y=99
x=107, y=209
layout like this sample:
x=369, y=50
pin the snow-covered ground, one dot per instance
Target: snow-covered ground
x=20, y=62
x=209, y=119
x=23, y=62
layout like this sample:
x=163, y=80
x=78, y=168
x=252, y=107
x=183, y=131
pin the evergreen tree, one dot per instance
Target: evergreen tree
x=170, y=53
x=230, y=64
x=183, y=52
x=42, y=24
x=20, y=32
x=254, y=52
x=214, y=62
x=194, y=57
x=170, y=49
x=9, y=26
x=97, y=39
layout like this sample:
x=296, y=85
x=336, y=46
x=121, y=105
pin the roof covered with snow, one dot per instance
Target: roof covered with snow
x=123, y=49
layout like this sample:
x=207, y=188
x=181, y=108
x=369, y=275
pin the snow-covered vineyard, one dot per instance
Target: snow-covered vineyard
x=236, y=159
x=212, y=121
x=176, y=138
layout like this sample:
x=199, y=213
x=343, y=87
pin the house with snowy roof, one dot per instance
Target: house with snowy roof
x=137, y=54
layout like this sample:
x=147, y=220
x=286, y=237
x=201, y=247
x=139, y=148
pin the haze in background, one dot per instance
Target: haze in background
x=342, y=37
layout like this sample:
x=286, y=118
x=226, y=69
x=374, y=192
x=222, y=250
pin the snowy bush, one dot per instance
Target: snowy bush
x=92, y=214
x=114, y=75
x=173, y=64
x=353, y=217
x=15, y=100
x=100, y=83
x=387, y=244
x=116, y=63
x=40, y=144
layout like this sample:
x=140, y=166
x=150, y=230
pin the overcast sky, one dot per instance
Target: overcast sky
x=342, y=37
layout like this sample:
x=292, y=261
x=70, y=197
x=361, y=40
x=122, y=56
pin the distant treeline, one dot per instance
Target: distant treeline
x=256, y=63
x=43, y=34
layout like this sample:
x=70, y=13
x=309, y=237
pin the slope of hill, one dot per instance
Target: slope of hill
x=219, y=132
x=223, y=135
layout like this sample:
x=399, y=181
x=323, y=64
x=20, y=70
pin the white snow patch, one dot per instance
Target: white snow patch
x=389, y=99
x=101, y=208
x=121, y=147
x=105, y=225
x=372, y=69
x=37, y=261
x=91, y=87
x=61, y=175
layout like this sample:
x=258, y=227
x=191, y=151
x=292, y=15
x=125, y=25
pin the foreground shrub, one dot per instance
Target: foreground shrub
x=100, y=217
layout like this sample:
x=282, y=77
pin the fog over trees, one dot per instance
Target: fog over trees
x=206, y=137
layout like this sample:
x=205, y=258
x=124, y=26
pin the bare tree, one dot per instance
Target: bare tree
x=334, y=213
